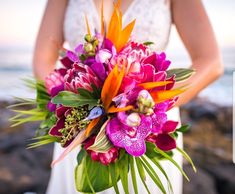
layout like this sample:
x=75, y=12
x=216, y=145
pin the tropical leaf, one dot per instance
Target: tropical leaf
x=71, y=99
x=113, y=171
x=123, y=170
x=102, y=143
x=157, y=163
x=181, y=74
x=173, y=162
x=187, y=157
x=153, y=174
x=42, y=140
x=141, y=173
x=133, y=174
x=99, y=175
x=183, y=128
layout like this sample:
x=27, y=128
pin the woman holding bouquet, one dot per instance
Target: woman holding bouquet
x=63, y=21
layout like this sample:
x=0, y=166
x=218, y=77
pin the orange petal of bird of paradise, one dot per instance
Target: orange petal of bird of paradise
x=115, y=33
x=114, y=109
x=78, y=140
x=162, y=95
x=111, y=86
x=91, y=125
x=151, y=85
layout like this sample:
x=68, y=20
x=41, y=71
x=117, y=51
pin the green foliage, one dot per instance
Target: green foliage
x=102, y=144
x=183, y=128
x=148, y=43
x=97, y=174
x=180, y=73
x=71, y=99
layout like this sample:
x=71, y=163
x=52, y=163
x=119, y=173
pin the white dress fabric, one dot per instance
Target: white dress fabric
x=153, y=23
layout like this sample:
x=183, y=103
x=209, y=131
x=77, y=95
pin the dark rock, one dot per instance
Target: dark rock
x=224, y=177
x=200, y=182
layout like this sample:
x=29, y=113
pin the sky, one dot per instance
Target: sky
x=20, y=20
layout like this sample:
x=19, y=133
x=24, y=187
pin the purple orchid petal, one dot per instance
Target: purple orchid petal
x=72, y=56
x=51, y=107
x=99, y=70
x=169, y=126
x=165, y=142
x=79, y=49
x=89, y=61
x=136, y=148
x=116, y=132
x=145, y=126
x=158, y=119
x=103, y=56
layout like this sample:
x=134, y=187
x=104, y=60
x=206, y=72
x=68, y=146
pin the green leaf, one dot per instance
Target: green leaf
x=153, y=174
x=81, y=155
x=157, y=163
x=151, y=153
x=133, y=174
x=183, y=128
x=141, y=173
x=113, y=172
x=172, y=161
x=102, y=144
x=88, y=178
x=42, y=140
x=148, y=43
x=187, y=157
x=71, y=99
x=98, y=174
x=180, y=73
x=123, y=170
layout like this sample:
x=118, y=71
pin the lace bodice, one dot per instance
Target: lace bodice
x=153, y=21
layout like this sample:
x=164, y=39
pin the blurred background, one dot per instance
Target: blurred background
x=209, y=141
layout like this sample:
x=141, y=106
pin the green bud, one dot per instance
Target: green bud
x=88, y=38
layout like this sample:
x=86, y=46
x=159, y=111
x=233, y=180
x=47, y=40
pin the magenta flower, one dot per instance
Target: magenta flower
x=74, y=56
x=163, y=139
x=132, y=139
x=105, y=158
x=158, y=61
x=81, y=76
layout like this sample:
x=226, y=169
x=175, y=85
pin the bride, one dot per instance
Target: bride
x=64, y=21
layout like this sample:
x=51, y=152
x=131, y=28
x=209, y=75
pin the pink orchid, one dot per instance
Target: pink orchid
x=132, y=139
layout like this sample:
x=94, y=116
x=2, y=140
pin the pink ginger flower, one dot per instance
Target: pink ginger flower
x=105, y=158
x=81, y=76
x=54, y=82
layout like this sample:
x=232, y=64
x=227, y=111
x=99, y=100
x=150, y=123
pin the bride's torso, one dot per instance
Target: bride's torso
x=153, y=20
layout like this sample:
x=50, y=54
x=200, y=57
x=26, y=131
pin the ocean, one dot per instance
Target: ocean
x=15, y=64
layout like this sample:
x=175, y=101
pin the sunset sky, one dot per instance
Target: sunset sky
x=19, y=21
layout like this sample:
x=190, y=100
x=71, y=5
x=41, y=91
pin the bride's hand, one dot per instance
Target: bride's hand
x=195, y=30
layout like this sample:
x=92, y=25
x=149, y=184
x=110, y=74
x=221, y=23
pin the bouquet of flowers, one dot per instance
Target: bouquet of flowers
x=110, y=97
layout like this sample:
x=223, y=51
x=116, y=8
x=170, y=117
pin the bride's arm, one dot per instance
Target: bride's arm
x=49, y=39
x=195, y=30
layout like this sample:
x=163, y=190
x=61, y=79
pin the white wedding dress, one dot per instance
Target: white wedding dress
x=153, y=23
